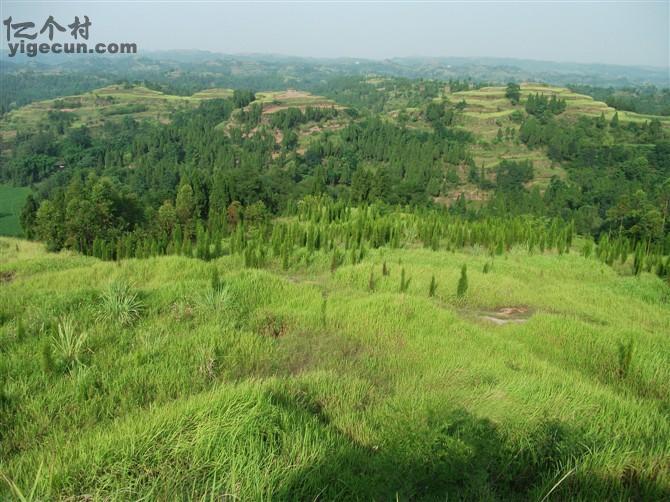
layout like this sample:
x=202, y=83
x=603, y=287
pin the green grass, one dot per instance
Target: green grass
x=11, y=204
x=305, y=385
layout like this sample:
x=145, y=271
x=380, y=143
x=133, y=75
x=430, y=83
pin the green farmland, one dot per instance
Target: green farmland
x=11, y=203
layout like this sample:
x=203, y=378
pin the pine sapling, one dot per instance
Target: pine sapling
x=462, y=282
x=20, y=330
x=625, y=358
x=324, y=307
x=433, y=287
x=372, y=282
x=404, y=282
x=216, y=281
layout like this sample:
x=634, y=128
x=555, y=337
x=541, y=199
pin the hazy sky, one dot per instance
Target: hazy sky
x=631, y=32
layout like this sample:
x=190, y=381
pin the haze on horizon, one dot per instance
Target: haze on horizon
x=625, y=33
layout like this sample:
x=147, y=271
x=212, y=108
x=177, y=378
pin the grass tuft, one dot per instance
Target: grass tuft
x=119, y=304
x=68, y=344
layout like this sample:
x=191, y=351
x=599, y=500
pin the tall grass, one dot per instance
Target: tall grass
x=68, y=344
x=303, y=384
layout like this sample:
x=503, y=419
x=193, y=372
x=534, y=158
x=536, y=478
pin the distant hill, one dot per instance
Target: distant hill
x=496, y=70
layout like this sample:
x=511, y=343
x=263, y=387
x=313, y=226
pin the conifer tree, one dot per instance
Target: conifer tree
x=638, y=260
x=614, y=123
x=335, y=261
x=462, y=282
x=216, y=281
x=324, y=308
x=433, y=286
x=404, y=282
x=20, y=330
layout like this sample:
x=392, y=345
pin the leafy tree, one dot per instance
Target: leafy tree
x=513, y=93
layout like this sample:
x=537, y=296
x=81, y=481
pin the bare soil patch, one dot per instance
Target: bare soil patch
x=506, y=315
x=7, y=276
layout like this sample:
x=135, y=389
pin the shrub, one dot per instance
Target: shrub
x=120, y=304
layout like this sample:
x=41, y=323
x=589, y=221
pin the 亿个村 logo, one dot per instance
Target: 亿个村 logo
x=23, y=37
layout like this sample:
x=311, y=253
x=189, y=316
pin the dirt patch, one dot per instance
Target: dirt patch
x=7, y=277
x=268, y=109
x=293, y=94
x=506, y=315
x=271, y=325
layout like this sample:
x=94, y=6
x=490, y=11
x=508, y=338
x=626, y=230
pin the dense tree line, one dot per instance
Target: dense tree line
x=542, y=106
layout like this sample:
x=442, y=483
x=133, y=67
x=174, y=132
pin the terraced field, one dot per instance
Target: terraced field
x=113, y=102
x=280, y=100
x=487, y=110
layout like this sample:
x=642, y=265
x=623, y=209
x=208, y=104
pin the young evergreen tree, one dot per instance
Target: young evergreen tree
x=433, y=286
x=216, y=280
x=462, y=282
x=404, y=281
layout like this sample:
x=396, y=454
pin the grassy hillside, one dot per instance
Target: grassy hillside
x=549, y=374
x=11, y=203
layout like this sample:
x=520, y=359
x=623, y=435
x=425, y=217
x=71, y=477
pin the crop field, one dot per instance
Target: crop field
x=280, y=100
x=11, y=203
x=491, y=103
x=141, y=379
